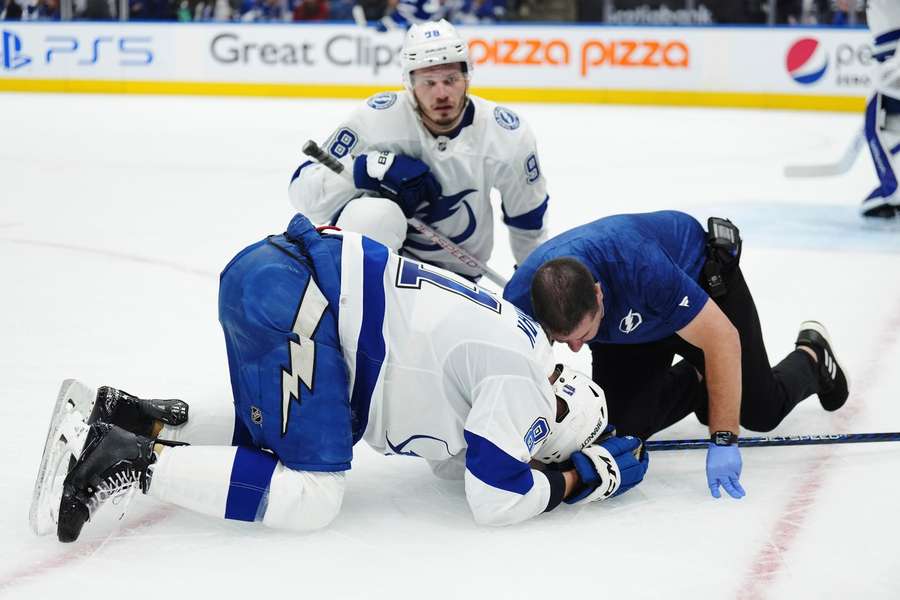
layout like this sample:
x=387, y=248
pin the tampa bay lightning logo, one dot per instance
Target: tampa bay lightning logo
x=382, y=101
x=398, y=448
x=506, y=118
x=630, y=322
x=442, y=208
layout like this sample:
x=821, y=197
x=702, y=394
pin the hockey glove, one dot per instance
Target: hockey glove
x=609, y=468
x=723, y=467
x=405, y=180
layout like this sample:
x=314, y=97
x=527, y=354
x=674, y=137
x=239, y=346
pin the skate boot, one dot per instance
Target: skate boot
x=143, y=417
x=880, y=206
x=113, y=463
x=833, y=387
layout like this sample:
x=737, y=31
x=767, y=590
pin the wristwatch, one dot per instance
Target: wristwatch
x=724, y=438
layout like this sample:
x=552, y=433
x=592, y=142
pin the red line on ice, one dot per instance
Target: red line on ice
x=768, y=561
x=77, y=551
x=113, y=254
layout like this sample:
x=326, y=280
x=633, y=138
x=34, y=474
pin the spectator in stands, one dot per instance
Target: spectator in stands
x=264, y=10
x=374, y=10
x=95, y=10
x=547, y=10
x=11, y=11
x=340, y=10
x=48, y=10
x=311, y=10
x=481, y=11
x=151, y=10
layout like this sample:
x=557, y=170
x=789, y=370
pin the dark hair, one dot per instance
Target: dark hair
x=563, y=294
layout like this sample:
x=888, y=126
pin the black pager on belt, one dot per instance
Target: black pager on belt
x=723, y=251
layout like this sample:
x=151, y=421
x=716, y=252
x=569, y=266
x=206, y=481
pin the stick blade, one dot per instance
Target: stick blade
x=841, y=166
x=829, y=170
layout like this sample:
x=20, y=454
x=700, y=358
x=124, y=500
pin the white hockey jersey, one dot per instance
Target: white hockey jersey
x=450, y=373
x=883, y=17
x=493, y=149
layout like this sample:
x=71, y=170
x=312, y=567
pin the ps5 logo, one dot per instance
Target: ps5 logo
x=11, y=51
x=72, y=50
x=69, y=49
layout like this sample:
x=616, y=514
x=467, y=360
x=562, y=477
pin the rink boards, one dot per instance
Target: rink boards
x=760, y=67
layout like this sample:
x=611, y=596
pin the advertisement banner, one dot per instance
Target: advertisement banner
x=563, y=63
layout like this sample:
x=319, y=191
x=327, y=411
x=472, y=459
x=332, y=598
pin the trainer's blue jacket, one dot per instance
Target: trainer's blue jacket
x=648, y=266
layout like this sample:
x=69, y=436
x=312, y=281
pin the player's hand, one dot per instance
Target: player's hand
x=723, y=467
x=407, y=181
x=609, y=468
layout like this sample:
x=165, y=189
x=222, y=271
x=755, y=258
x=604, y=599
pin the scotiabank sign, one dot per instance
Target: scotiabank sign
x=646, y=53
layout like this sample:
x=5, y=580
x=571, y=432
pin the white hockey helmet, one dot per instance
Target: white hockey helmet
x=580, y=421
x=430, y=44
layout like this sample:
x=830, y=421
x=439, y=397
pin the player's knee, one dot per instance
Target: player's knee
x=761, y=423
x=377, y=218
x=303, y=500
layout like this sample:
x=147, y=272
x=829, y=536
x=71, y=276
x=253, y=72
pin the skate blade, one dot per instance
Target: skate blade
x=65, y=441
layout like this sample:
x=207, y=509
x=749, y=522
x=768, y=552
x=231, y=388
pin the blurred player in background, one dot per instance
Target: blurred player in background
x=332, y=339
x=434, y=152
x=385, y=15
x=641, y=289
x=882, y=124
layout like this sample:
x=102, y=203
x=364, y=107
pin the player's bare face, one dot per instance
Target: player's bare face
x=441, y=95
x=587, y=328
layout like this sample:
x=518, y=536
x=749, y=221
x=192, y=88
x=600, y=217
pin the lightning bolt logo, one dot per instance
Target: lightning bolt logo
x=303, y=350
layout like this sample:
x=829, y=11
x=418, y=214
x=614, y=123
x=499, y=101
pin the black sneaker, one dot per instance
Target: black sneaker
x=833, y=384
x=112, y=462
x=135, y=414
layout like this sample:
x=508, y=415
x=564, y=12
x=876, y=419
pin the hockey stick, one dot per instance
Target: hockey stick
x=787, y=440
x=312, y=150
x=828, y=169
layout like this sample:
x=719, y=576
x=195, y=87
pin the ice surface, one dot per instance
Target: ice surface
x=117, y=213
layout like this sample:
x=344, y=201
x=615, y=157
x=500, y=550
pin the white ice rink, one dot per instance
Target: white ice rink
x=117, y=213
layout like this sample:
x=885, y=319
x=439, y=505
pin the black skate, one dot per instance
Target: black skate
x=113, y=463
x=833, y=382
x=884, y=212
x=135, y=414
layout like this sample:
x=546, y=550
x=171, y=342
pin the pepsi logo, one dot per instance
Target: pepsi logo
x=807, y=61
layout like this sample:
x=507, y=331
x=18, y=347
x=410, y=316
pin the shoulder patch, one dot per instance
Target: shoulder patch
x=506, y=118
x=382, y=101
x=537, y=433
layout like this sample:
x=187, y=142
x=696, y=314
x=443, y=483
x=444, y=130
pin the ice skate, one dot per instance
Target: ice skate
x=112, y=465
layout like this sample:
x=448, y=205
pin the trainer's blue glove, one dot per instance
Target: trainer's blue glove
x=609, y=468
x=405, y=180
x=723, y=467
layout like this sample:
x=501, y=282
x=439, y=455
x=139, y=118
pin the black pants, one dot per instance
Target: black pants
x=645, y=393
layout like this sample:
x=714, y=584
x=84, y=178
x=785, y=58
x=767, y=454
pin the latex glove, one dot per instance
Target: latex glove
x=609, y=468
x=723, y=467
x=405, y=180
